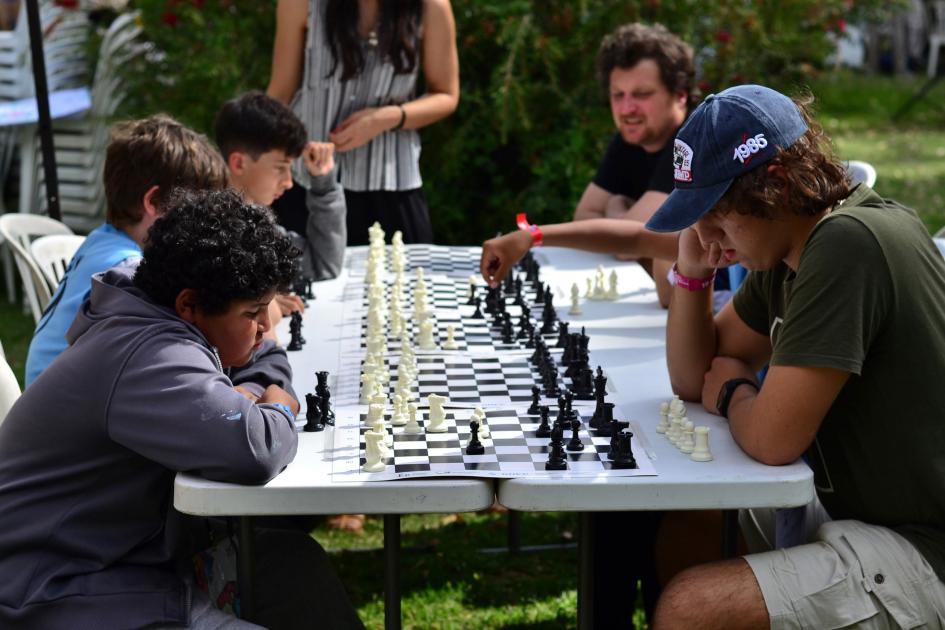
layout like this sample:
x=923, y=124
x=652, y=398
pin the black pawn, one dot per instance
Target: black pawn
x=313, y=414
x=477, y=314
x=556, y=456
x=474, y=447
x=575, y=443
x=536, y=399
x=625, y=457
x=544, y=429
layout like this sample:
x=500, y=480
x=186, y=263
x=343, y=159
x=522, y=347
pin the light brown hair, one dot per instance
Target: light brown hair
x=156, y=151
x=811, y=179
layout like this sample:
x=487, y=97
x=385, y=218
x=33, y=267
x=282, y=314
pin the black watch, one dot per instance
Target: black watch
x=725, y=394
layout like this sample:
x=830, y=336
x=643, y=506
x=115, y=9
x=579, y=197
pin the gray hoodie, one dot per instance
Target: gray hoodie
x=89, y=452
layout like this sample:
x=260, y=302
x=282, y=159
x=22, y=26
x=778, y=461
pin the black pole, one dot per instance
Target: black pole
x=42, y=106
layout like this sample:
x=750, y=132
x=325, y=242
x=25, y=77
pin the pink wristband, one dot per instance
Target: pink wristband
x=692, y=284
x=522, y=221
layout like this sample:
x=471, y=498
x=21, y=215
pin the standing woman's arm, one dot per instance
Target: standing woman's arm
x=440, y=67
x=288, y=51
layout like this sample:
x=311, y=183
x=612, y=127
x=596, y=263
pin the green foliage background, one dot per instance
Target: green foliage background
x=532, y=122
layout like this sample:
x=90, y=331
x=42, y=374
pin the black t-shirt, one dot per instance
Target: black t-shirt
x=630, y=171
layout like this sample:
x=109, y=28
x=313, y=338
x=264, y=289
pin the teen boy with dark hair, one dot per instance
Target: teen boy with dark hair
x=145, y=160
x=167, y=371
x=259, y=138
x=846, y=303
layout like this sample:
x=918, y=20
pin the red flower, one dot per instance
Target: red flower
x=723, y=37
x=170, y=18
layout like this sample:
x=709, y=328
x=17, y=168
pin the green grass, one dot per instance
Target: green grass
x=16, y=330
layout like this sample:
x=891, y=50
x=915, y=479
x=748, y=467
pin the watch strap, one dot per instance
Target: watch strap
x=728, y=390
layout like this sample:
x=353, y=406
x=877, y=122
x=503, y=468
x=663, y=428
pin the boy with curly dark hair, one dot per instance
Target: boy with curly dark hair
x=167, y=370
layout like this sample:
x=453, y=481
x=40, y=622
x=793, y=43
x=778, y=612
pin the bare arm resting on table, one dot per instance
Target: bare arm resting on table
x=776, y=424
x=605, y=236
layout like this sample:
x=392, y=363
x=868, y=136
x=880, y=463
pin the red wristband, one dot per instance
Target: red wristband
x=522, y=221
x=692, y=284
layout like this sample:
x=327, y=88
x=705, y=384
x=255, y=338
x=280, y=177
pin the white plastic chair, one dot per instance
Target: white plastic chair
x=17, y=231
x=52, y=255
x=861, y=173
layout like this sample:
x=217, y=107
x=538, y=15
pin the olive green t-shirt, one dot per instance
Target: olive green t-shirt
x=868, y=298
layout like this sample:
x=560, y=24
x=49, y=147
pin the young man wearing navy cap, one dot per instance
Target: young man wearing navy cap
x=846, y=303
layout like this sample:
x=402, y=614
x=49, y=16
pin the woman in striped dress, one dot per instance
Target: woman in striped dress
x=349, y=69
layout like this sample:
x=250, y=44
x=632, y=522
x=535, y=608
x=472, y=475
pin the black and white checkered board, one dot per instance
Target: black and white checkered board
x=443, y=293
x=470, y=380
x=451, y=261
x=512, y=450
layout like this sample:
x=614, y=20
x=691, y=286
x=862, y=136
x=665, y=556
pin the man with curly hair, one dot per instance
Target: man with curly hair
x=648, y=75
x=845, y=301
x=167, y=370
x=144, y=161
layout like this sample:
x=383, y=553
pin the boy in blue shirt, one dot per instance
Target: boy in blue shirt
x=145, y=160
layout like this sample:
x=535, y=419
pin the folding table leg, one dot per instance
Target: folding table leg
x=585, y=594
x=729, y=533
x=392, y=571
x=247, y=541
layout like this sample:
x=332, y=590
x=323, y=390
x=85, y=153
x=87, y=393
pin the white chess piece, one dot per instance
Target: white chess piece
x=599, y=292
x=686, y=443
x=437, y=416
x=575, y=300
x=612, y=291
x=450, y=343
x=399, y=417
x=663, y=424
x=590, y=288
x=472, y=287
x=367, y=387
x=374, y=452
x=375, y=413
x=480, y=416
x=701, y=451
x=412, y=425
x=425, y=336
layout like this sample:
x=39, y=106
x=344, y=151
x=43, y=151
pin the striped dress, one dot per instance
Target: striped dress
x=391, y=161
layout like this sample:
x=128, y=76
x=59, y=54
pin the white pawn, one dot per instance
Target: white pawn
x=701, y=451
x=686, y=443
x=412, y=425
x=450, y=343
x=399, y=417
x=663, y=424
x=374, y=452
x=437, y=416
x=612, y=291
x=575, y=300
x=425, y=336
x=480, y=416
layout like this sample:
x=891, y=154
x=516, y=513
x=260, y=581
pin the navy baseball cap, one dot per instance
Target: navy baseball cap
x=730, y=133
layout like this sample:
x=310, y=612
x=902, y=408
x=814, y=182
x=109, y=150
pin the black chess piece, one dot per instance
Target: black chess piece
x=474, y=447
x=562, y=335
x=582, y=385
x=607, y=417
x=297, y=318
x=600, y=391
x=562, y=411
x=322, y=391
x=575, y=443
x=313, y=414
x=544, y=429
x=624, y=457
x=616, y=426
x=472, y=295
x=295, y=330
x=477, y=314
x=556, y=456
x=536, y=400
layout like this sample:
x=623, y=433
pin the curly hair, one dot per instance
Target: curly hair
x=811, y=179
x=155, y=151
x=218, y=245
x=632, y=43
x=254, y=123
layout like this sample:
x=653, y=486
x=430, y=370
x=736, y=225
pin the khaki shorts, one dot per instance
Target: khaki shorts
x=850, y=575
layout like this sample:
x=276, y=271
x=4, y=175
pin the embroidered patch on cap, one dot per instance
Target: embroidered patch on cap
x=749, y=146
x=682, y=161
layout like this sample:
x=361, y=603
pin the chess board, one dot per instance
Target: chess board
x=465, y=380
x=512, y=450
x=451, y=261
